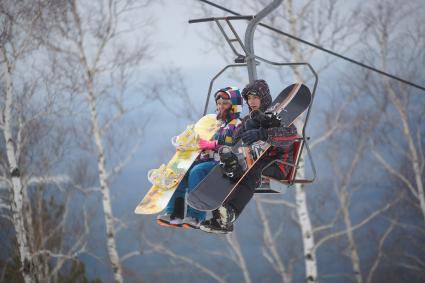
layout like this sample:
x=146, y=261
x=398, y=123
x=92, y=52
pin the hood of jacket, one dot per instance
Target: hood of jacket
x=261, y=89
x=236, y=98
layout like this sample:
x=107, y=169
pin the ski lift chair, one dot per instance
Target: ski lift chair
x=243, y=57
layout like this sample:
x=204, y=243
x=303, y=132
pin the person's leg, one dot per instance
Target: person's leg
x=224, y=216
x=196, y=175
x=214, y=224
x=242, y=195
x=178, y=194
x=245, y=190
x=174, y=211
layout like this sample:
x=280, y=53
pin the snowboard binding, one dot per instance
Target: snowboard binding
x=229, y=162
x=188, y=140
x=163, y=177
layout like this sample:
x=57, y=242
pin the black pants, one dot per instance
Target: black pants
x=245, y=190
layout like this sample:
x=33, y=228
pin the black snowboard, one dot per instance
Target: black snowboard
x=213, y=190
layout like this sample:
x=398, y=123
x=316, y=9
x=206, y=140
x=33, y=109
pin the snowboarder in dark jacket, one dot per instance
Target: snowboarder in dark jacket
x=281, y=138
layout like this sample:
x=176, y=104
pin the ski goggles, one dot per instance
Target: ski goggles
x=222, y=101
x=222, y=95
x=253, y=93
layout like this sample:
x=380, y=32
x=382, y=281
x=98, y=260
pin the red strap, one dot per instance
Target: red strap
x=284, y=159
x=285, y=138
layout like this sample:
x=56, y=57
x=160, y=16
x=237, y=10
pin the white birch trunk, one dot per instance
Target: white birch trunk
x=300, y=194
x=17, y=199
x=307, y=232
x=39, y=262
x=414, y=158
x=104, y=188
x=413, y=152
x=101, y=161
x=352, y=247
x=418, y=176
x=404, y=117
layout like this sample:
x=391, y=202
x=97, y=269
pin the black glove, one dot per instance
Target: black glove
x=265, y=120
x=272, y=121
x=252, y=136
x=252, y=124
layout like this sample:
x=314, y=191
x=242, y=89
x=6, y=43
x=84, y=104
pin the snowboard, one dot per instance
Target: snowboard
x=216, y=187
x=166, y=178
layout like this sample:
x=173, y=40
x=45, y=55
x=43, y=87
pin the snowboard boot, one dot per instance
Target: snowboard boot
x=191, y=222
x=222, y=221
x=213, y=226
x=167, y=220
x=226, y=215
x=174, y=219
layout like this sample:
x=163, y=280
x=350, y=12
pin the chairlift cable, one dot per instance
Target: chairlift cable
x=321, y=48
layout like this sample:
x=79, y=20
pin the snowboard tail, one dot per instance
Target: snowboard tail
x=166, y=178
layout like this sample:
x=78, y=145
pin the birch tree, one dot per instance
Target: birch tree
x=322, y=23
x=377, y=131
x=57, y=239
x=308, y=20
x=15, y=46
x=389, y=25
x=271, y=248
x=98, y=50
x=32, y=143
x=395, y=43
x=355, y=172
x=346, y=154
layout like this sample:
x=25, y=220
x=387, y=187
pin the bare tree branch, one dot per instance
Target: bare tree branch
x=167, y=251
x=394, y=172
x=270, y=250
x=240, y=259
x=379, y=256
x=356, y=226
x=276, y=201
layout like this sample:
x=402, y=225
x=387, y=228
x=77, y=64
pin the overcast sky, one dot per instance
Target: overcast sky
x=179, y=41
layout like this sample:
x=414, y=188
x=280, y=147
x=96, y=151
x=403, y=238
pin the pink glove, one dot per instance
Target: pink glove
x=204, y=144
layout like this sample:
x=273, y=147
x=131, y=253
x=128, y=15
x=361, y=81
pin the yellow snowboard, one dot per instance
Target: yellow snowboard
x=166, y=178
